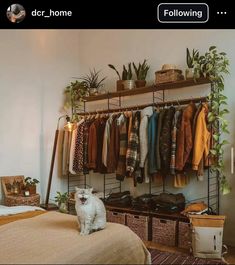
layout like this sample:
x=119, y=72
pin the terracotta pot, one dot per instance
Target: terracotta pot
x=120, y=85
x=140, y=83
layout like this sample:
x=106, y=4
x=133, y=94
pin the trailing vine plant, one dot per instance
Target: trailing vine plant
x=214, y=65
x=74, y=93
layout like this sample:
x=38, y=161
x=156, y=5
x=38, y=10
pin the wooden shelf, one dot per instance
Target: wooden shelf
x=148, y=89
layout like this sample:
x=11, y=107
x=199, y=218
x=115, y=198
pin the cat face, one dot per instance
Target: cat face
x=82, y=196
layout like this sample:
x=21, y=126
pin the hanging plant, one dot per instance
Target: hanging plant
x=214, y=65
x=74, y=94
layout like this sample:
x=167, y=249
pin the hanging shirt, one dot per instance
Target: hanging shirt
x=159, y=129
x=132, y=155
x=145, y=114
x=123, y=136
x=106, y=139
x=202, y=138
x=78, y=152
x=184, y=137
x=152, y=139
x=177, y=117
x=165, y=139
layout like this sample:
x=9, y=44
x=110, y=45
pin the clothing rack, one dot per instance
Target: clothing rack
x=139, y=107
x=114, y=104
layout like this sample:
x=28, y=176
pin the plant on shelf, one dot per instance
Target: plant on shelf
x=74, y=94
x=141, y=73
x=62, y=200
x=190, y=59
x=30, y=185
x=125, y=81
x=92, y=83
x=214, y=65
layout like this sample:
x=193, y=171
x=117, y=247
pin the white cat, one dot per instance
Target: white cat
x=90, y=211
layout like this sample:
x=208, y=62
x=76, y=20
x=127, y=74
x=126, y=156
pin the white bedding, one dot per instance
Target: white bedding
x=5, y=210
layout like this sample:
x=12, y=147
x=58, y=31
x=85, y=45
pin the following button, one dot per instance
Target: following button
x=183, y=13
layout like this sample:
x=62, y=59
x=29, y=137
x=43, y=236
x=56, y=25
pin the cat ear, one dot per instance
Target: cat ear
x=77, y=189
x=90, y=190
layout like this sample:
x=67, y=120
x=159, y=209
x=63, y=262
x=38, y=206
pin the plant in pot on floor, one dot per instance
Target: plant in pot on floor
x=125, y=81
x=92, y=82
x=62, y=200
x=191, y=59
x=141, y=73
x=31, y=185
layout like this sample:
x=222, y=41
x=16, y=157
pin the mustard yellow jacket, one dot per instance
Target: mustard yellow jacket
x=202, y=138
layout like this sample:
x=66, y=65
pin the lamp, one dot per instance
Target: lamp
x=70, y=126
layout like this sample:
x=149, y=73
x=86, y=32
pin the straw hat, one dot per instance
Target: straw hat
x=169, y=67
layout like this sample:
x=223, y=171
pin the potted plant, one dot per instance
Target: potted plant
x=30, y=185
x=74, y=94
x=141, y=73
x=214, y=65
x=62, y=200
x=125, y=81
x=191, y=59
x=92, y=83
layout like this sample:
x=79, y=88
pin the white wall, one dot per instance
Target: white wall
x=101, y=47
x=35, y=67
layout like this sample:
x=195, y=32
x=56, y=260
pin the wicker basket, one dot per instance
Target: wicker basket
x=165, y=76
x=33, y=200
x=164, y=231
x=185, y=235
x=139, y=225
x=116, y=217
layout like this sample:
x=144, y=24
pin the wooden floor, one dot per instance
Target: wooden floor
x=230, y=257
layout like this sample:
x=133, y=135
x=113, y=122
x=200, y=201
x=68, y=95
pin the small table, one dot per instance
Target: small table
x=16, y=200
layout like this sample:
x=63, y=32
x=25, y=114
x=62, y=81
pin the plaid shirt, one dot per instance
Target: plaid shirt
x=123, y=135
x=133, y=154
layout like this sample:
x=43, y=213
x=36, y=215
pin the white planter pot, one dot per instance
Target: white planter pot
x=129, y=84
x=189, y=73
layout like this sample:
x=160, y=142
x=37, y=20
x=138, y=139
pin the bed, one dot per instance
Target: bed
x=41, y=237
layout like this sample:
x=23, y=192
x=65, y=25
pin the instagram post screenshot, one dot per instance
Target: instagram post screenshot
x=117, y=132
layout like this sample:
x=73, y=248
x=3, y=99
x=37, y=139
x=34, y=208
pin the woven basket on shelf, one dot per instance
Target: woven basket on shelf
x=116, y=217
x=164, y=231
x=139, y=225
x=171, y=75
x=184, y=235
x=33, y=200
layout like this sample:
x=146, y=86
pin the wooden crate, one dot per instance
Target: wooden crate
x=139, y=225
x=116, y=217
x=164, y=231
x=184, y=235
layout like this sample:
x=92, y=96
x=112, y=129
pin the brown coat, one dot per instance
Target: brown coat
x=92, y=145
x=185, y=137
x=113, y=149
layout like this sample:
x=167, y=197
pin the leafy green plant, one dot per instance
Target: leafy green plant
x=142, y=70
x=214, y=65
x=126, y=72
x=30, y=182
x=114, y=68
x=61, y=197
x=190, y=59
x=91, y=80
x=74, y=94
